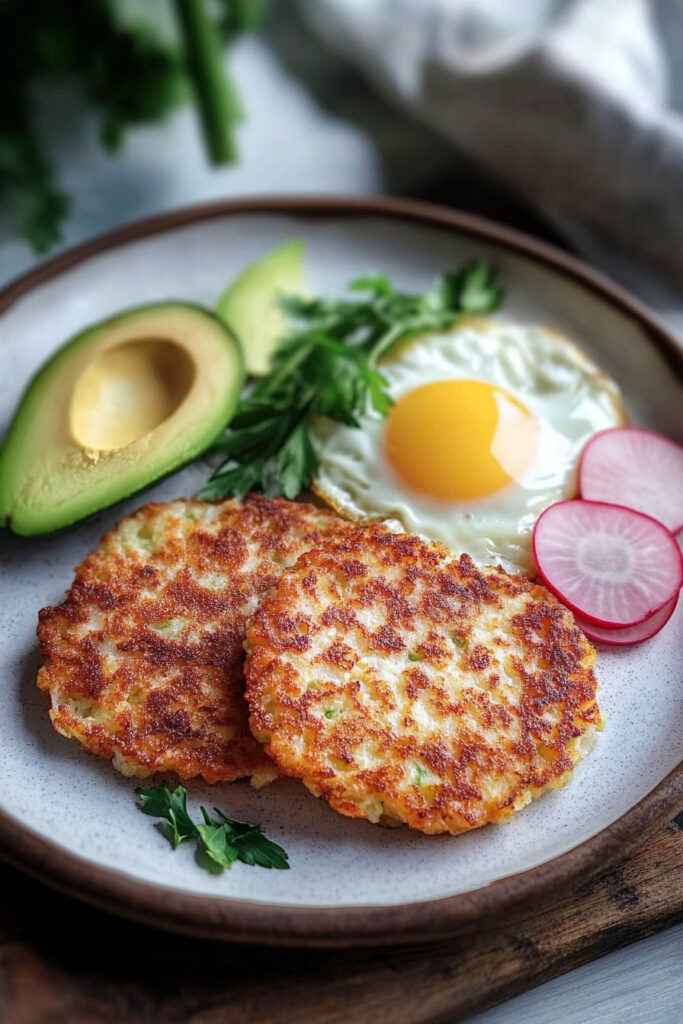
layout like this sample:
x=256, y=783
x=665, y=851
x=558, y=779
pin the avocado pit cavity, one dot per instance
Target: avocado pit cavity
x=127, y=391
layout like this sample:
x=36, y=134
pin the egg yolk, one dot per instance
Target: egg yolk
x=460, y=439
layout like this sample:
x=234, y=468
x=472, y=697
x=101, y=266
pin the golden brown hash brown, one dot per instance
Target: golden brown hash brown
x=144, y=658
x=406, y=685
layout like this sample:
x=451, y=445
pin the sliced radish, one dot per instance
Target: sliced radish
x=633, y=467
x=630, y=634
x=611, y=565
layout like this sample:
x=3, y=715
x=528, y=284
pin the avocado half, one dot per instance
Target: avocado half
x=117, y=407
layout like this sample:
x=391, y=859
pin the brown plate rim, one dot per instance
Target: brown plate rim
x=247, y=921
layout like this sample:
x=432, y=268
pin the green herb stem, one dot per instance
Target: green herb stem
x=218, y=103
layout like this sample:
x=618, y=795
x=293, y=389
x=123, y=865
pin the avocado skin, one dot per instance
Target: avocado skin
x=26, y=519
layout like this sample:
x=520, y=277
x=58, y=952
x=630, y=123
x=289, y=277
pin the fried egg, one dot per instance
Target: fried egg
x=485, y=432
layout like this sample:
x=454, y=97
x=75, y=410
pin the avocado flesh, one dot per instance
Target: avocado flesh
x=249, y=305
x=117, y=407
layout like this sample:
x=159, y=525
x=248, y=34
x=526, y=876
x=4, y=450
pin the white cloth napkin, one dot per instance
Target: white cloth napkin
x=574, y=103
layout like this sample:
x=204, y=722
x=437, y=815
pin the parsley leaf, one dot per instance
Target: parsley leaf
x=296, y=461
x=252, y=845
x=215, y=851
x=474, y=289
x=214, y=854
x=328, y=366
x=378, y=285
x=169, y=805
x=220, y=842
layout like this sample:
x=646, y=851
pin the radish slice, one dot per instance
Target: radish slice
x=612, y=566
x=630, y=634
x=632, y=467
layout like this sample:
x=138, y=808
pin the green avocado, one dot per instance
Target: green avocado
x=122, y=404
x=249, y=305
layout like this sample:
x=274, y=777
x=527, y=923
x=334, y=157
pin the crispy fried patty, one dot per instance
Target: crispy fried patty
x=404, y=684
x=144, y=658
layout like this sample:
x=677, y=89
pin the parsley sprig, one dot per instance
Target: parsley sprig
x=220, y=841
x=327, y=365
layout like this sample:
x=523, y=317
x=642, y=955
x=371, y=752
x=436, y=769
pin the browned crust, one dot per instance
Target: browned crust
x=234, y=919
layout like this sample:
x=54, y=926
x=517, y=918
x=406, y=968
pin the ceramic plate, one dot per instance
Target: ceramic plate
x=71, y=819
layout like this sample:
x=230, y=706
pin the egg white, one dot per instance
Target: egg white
x=569, y=396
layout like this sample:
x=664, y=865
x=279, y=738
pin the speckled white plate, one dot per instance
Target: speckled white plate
x=73, y=820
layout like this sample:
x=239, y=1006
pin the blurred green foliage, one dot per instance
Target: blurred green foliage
x=133, y=61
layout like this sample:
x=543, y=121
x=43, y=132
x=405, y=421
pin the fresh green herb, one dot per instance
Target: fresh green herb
x=214, y=853
x=413, y=656
x=251, y=844
x=132, y=64
x=219, y=104
x=330, y=713
x=327, y=365
x=220, y=841
x=474, y=288
x=170, y=806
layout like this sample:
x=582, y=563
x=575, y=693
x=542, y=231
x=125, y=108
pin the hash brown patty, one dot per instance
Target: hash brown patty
x=404, y=684
x=144, y=658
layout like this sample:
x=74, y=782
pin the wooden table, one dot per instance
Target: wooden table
x=61, y=961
